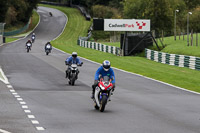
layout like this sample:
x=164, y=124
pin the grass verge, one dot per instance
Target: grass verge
x=77, y=26
x=34, y=22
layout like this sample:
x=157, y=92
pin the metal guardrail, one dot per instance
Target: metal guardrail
x=191, y=62
x=100, y=47
x=15, y=32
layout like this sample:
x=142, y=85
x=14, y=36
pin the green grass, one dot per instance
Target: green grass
x=180, y=46
x=34, y=22
x=77, y=26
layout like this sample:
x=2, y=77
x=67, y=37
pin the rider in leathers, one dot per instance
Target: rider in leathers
x=103, y=70
x=72, y=60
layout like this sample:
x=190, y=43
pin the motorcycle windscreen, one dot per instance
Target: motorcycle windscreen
x=106, y=78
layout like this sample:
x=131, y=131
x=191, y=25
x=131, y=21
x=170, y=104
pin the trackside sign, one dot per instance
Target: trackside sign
x=126, y=25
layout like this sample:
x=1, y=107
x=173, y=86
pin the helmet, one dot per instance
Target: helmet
x=106, y=65
x=33, y=33
x=74, y=54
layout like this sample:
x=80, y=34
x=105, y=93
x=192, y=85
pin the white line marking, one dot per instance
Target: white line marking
x=31, y=116
x=5, y=80
x=17, y=96
x=64, y=26
x=9, y=86
x=19, y=99
x=22, y=102
x=40, y=128
x=12, y=90
x=4, y=131
x=27, y=111
x=24, y=106
x=15, y=93
x=34, y=122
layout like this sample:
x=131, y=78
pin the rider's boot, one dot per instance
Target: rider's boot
x=93, y=89
x=66, y=74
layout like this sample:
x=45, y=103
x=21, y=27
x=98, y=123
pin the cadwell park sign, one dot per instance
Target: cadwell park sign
x=126, y=25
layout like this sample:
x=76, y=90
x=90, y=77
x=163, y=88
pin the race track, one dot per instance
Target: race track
x=139, y=105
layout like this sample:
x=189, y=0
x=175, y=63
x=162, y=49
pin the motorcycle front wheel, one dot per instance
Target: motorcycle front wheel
x=103, y=103
x=73, y=78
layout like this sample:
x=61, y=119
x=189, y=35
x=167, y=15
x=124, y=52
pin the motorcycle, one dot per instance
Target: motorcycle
x=73, y=73
x=33, y=39
x=28, y=47
x=48, y=49
x=102, y=93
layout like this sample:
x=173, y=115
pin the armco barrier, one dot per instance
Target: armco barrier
x=15, y=32
x=173, y=59
x=100, y=47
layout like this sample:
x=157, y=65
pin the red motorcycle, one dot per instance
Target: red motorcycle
x=102, y=93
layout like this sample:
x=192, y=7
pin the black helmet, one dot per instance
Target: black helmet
x=74, y=54
x=106, y=65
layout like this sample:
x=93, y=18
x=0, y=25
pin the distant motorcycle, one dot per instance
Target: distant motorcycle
x=50, y=14
x=73, y=73
x=33, y=39
x=48, y=49
x=102, y=93
x=28, y=47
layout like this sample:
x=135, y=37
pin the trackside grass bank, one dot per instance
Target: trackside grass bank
x=78, y=26
x=34, y=22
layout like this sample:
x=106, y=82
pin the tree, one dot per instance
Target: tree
x=3, y=10
x=191, y=4
x=160, y=12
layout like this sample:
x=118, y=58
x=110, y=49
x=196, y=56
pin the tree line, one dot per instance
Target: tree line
x=161, y=12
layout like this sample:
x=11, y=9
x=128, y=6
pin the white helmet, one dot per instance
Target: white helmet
x=106, y=65
x=33, y=33
x=74, y=54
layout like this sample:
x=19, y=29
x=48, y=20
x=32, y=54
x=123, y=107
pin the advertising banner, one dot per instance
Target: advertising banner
x=126, y=25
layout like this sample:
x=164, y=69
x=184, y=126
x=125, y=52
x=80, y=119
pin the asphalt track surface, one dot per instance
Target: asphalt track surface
x=139, y=105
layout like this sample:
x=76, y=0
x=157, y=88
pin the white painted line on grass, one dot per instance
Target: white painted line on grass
x=31, y=116
x=24, y=106
x=27, y=111
x=22, y=102
x=35, y=121
x=19, y=99
x=4, y=131
x=40, y=128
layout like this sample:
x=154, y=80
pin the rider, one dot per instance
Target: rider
x=48, y=46
x=103, y=70
x=72, y=60
x=29, y=41
x=33, y=36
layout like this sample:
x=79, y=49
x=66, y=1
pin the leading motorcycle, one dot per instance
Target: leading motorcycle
x=72, y=73
x=48, y=49
x=102, y=93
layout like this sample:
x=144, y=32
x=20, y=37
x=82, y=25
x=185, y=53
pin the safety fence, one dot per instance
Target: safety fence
x=173, y=59
x=15, y=32
x=100, y=47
